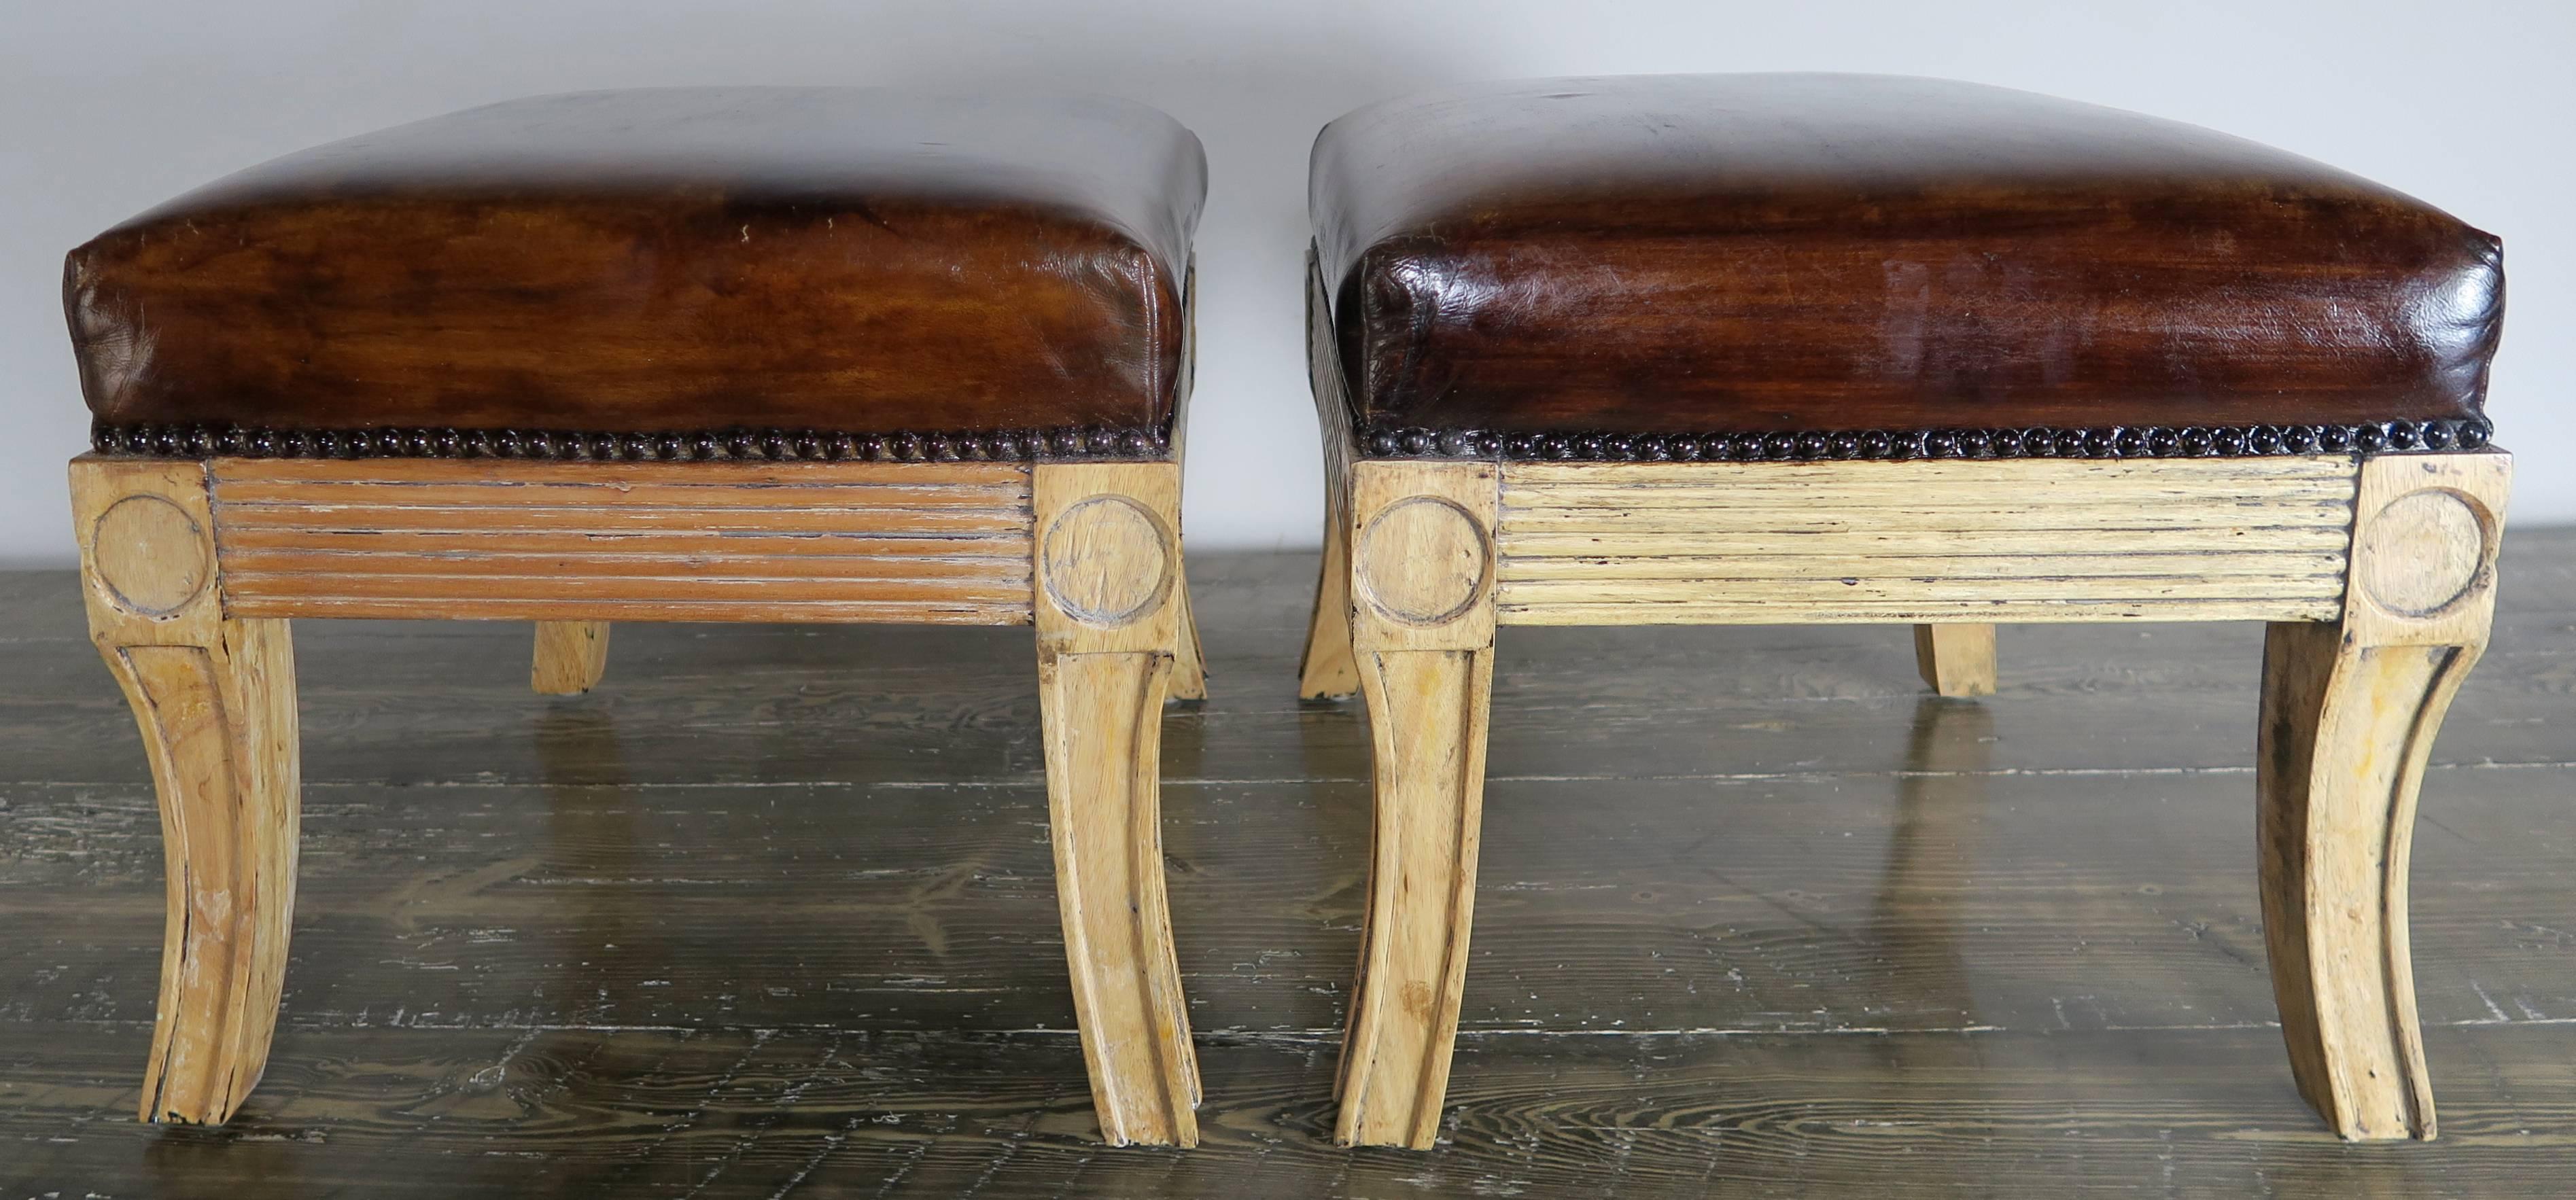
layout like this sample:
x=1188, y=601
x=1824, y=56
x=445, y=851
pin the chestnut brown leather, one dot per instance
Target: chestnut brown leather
x=1706, y=253
x=666, y=259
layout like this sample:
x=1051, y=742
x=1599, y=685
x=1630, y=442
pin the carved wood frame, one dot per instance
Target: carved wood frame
x=2375, y=574
x=193, y=570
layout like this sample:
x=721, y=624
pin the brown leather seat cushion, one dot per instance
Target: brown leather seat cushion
x=1779, y=254
x=837, y=259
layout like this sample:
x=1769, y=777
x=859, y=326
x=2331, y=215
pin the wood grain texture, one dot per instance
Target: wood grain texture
x=943, y=543
x=1956, y=660
x=1427, y=712
x=570, y=657
x=1189, y=658
x=1109, y=614
x=1422, y=552
x=214, y=697
x=1328, y=668
x=2350, y=710
x=2020, y=540
x=1422, y=626
x=2425, y=548
x=1757, y=914
x=743, y=1113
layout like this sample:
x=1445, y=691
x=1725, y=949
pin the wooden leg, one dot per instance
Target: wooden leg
x=1189, y=659
x=1329, y=669
x=215, y=698
x=571, y=656
x=1956, y=660
x=2344, y=737
x=2350, y=709
x=1423, y=561
x=1427, y=712
x=1103, y=715
x=1108, y=615
x=219, y=724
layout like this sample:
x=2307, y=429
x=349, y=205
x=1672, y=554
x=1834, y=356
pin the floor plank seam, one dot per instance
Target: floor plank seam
x=725, y=926
x=1290, y=1037
x=1039, y=782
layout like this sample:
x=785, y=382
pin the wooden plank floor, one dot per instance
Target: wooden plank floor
x=770, y=914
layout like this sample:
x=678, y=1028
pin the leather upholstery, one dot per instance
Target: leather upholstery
x=670, y=259
x=1763, y=253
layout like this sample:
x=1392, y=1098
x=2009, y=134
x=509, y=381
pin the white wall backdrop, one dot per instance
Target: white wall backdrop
x=108, y=107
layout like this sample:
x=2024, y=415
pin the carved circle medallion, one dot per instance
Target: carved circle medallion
x=1422, y=561
x=1107, y=561
x=150, y=555
x=2422, y=552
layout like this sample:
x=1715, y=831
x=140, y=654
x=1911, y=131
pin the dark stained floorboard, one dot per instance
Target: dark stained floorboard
x=377, y=1111
x=771, y=911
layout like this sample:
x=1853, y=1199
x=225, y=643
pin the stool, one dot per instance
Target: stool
x=1810, y=348
x=760, y=354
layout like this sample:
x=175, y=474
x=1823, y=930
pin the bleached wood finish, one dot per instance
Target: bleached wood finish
x=215, y=697
x=1956, y=660
x=570, y=657
x=1924, y=541
x=2350, y=709
x=1328, y=668
x=192, y=568
x=1189, y=658
x=1189, y=665
x=1109, y=613
x=2375, y=621
x=1421, y=573
x=664, y=541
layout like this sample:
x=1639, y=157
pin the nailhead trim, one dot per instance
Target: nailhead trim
x=2116, y=441
x=1072, y=442
x=760, y=445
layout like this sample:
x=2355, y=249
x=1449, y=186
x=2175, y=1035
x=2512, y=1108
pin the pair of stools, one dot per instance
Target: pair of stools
x=1695, y=349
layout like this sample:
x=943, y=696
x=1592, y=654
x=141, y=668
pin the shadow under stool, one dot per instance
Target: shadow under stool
x=754, y=354
x=1763, y=349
